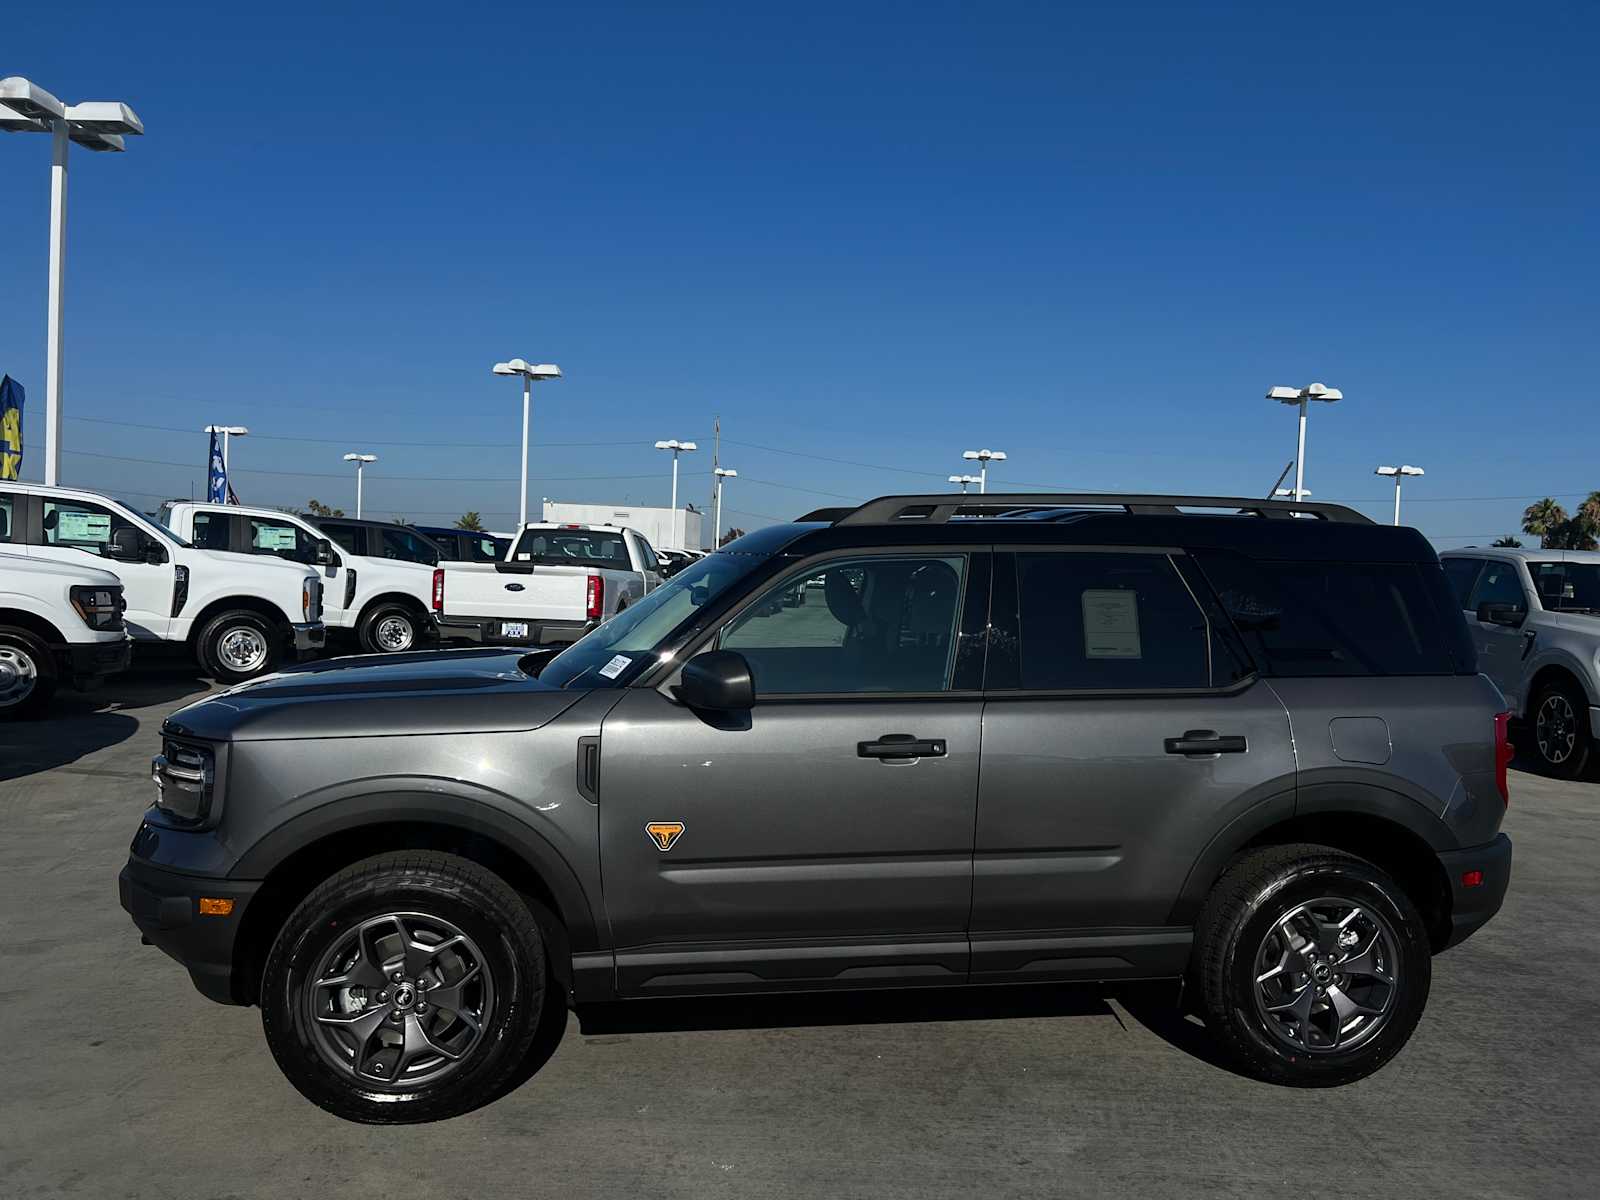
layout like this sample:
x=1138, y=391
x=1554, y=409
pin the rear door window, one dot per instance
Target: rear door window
x=406, y=546
x=211, y=531
x=1326, y=618
x=346, y=536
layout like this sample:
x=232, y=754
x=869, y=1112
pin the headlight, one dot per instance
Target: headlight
x=185, y=777
x=100, y=607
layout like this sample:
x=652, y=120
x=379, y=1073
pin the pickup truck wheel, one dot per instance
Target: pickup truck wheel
x=406, y=988
x=237, y=646
x=1313, y=966
x=1560, y=728
x=390, y=629
x=27, y=673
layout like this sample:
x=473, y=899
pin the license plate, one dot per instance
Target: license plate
x=517, y=629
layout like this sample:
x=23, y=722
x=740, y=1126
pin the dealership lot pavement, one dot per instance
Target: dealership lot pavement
x=121, y=1081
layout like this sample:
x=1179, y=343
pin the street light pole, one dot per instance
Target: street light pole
x=226, y=431
x=1301, y=397
x=983, y=458
x=96, y=125
x=529, y=372
x=1399, y=473
x=677, y=448
x=719, y=473
x=361, y=461
x=964, y=480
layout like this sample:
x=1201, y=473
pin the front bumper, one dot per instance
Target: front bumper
x=165, y=906
x=486, y=631
x=1472, y=906
x=312, y=635
x=87, y=663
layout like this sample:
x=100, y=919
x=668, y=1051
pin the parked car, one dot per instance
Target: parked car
x=1535, y=619
x=58, y=624
x=466, y=545
x=380, y=583
x=1249, y=751
x=673, y=561
x=239, y=619
x=557, y=583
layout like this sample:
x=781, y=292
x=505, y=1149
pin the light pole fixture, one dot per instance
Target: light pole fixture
x=529, y=372
x=25, y=107
x=361, y=461
x=1399, y=473
x=720, y=473
x=1288, y=494
x=227, y=431
x=1300, y=397
x=677, y=448
x=964, y=480
x=984, y=458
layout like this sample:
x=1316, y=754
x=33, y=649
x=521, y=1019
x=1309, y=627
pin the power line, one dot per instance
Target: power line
x=366, y=441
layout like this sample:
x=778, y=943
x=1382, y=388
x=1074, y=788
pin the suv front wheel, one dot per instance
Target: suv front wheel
x=1312, y=966
x=408, y=987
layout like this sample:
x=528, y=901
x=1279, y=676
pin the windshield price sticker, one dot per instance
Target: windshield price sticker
x=617, y=665
x=1110, y=623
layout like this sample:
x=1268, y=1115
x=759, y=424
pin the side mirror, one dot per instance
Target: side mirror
x=126, y=544
x=1510, y=615
x=323, y=555
x=718, y=680
x=153, y=552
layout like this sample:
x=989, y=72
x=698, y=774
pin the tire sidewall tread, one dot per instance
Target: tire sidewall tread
x=46, y=677
x=206, y=649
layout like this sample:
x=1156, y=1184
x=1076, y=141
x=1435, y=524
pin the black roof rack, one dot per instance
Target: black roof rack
x=939, y=508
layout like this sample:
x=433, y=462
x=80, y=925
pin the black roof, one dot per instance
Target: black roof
x=1265, y=529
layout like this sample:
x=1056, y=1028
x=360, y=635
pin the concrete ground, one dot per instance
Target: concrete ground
x=121, y=1081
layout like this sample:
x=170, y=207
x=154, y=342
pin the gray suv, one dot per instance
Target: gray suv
x=1535, y=619
x=932, y=740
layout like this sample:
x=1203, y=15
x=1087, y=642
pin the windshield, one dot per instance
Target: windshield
x=612, y=654
x=1567, y=586
x=156, y=523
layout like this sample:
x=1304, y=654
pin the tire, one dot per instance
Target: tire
x=390, y=629
x=27, y=674
x=237, y=646
x=1558, y=727
x=1241, y=936
x=388, y=1061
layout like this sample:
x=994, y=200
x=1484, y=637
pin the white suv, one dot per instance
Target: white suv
x=238, y=618
x=58, y=623
x=1535, y=617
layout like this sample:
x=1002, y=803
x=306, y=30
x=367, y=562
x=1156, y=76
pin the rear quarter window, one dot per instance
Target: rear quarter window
x=1341, y=619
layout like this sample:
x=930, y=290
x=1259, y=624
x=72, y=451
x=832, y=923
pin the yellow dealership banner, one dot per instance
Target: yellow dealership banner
x=11, y=397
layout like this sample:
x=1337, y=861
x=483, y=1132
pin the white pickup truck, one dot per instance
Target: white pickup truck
x=555, y=584
x=380, y=581
x=239, y=618
x=58, y=623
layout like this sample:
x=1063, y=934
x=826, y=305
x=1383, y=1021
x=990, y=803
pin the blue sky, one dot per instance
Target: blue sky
x=1091, y=236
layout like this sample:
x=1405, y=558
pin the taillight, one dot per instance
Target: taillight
x=1503, y=751
x=438, y=589
x=597, y=597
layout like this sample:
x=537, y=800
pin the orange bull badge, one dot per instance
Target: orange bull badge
x=664, y=833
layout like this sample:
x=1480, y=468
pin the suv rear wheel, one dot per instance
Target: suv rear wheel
x=408, y=987
x=1313, y=966
x=1560, y=728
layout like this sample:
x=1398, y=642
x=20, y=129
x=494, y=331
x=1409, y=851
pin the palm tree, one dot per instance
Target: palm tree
x=470, y=520
x=1544, y=520
x=1507, y=541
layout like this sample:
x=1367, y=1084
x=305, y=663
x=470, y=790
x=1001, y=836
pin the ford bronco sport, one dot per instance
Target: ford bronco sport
x=1005, y=738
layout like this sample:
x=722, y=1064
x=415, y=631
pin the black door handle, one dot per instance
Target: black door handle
x=1206, y=741
x=901, y=745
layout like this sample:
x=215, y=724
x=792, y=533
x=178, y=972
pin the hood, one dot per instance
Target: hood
x=430, y=692
x=228, y=560
x=48, y=568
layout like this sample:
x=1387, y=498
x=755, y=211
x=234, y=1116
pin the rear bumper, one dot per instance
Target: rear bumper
x=165, y=908
x=1472, y=906
x=87, y=663
x=486, y=631
x=312, y=635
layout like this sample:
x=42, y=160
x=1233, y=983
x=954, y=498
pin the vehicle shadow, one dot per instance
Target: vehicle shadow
x=81, y=723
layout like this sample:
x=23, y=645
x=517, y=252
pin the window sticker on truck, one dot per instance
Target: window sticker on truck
x=1110, y=623
x=617, y=665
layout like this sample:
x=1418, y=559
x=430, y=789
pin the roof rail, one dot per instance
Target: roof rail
x=936, y=509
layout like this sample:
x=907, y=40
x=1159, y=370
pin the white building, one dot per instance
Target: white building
x=664, y=528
